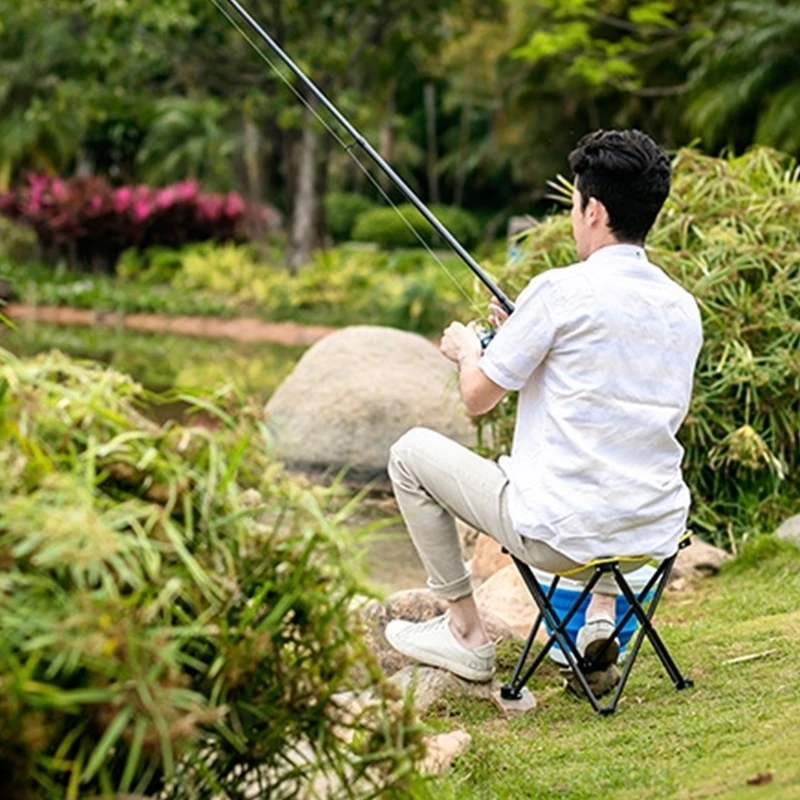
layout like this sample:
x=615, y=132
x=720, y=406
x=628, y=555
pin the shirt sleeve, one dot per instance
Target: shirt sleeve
x=523, y=342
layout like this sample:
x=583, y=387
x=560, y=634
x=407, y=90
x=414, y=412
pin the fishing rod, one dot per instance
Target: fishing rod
x=359, y=140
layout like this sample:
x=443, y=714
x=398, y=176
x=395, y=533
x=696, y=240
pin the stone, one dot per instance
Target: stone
x=505, y=595
x=431, y=684
x=513, y=708
x=469, y=537
x=442, y=750
x=698, y=560
x=417, y=605
x=789, y=530
x=354, y=393
x=487, y=559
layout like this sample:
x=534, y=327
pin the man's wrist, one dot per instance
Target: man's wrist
x=469, y=359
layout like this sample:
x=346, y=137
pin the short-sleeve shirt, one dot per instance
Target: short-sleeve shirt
x=603, y=355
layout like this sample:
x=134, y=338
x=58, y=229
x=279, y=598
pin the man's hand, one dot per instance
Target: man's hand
x=460, y=343
x=497, y=314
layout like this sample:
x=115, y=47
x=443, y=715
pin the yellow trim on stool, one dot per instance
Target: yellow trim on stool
x=617, y=559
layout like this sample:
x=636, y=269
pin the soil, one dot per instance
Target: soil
x=243, y=329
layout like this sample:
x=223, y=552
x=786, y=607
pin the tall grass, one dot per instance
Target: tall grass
x=175, y=613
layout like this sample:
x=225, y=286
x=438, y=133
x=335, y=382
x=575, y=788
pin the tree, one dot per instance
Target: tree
x=746, y=77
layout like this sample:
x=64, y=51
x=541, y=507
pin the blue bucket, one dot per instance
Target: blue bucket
x=567, y=593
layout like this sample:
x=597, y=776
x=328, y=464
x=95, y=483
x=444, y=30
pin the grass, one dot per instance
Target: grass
x=738, y=722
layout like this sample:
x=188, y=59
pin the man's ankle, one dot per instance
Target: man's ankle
x=469, y=636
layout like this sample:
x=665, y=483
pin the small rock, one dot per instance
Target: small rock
x=789, y=530
x=698, y=560
x=513, y=708
x=442, y=750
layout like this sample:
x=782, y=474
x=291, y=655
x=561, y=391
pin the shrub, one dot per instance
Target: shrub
x=728, y=234
x=228, y=270
x=17, y=242
x=343, y=285
x=384, y=226
x=176, y=613
x=341, y=211
x=89, y=223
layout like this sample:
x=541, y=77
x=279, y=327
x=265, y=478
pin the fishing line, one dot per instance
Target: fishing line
x=348, y=149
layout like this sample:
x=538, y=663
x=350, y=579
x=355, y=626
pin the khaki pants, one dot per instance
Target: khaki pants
x=435, y=480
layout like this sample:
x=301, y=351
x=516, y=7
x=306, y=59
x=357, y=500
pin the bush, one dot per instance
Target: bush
x=384, y=226
x=341, y=211
x=344, y=285
x=728, y=234
x=89, y=223
x=153, y=265
x=176, y=613
x=17, y=242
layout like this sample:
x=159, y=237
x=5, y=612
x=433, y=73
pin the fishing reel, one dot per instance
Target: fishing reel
x=485, y=333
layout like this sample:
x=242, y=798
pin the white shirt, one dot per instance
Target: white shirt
x=603, y=355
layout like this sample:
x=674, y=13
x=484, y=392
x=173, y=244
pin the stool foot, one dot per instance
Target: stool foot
x=510, y=693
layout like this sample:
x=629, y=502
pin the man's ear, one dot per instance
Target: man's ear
x=596, y=213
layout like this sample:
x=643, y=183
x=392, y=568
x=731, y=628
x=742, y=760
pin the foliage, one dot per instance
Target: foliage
x=90, y=223
x=347, y=285
x=744, y=77
x=341, y=211
x=727, y=234
x=37, y=284
x=384, y=226
x=176, y=613
x=165, y=361
x=17, y=242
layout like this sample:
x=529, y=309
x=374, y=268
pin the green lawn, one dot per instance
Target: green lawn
x=740, y=720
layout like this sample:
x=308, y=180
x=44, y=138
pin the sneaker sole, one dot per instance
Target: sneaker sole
x=609, y=655
x=433, y=660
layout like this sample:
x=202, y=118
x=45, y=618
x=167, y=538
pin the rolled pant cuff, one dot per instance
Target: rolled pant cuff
x=452, y=591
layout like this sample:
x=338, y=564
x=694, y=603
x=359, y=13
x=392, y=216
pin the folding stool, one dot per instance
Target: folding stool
x=639, y=606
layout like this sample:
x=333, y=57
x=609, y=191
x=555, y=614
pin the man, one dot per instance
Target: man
x=602, y=353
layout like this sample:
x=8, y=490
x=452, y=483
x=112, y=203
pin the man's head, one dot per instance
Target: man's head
x=621, y=181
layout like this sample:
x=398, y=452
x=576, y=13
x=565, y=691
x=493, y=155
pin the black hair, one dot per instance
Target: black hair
x=628, y=173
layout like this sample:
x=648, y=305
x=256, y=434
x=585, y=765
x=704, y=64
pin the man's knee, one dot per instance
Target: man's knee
x=412, y=441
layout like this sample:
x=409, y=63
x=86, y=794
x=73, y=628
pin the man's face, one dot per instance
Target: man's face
x=579, y=227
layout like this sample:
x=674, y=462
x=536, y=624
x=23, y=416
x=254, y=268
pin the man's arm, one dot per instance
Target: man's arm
x=462, y=346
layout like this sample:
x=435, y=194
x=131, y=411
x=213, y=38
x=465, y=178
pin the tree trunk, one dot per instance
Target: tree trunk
x=386, y=135
x=251, y=157
x=433, y=158
x=301, y=231
x=463, y=145
x=323, y=164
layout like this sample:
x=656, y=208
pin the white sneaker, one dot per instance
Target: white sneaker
x=592, y=638
x=433, y=643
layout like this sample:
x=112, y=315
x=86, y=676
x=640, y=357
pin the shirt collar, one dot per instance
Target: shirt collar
x=615, y=251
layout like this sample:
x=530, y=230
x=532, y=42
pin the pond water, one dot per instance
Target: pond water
x=163, y=361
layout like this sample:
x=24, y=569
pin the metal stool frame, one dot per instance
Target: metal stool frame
x=580, y=666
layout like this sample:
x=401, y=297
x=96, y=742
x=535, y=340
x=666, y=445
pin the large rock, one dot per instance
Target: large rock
x=789, y=530
x=356, y=392
x=506, y=596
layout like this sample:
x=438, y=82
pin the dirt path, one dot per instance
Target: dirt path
x=244, y=329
